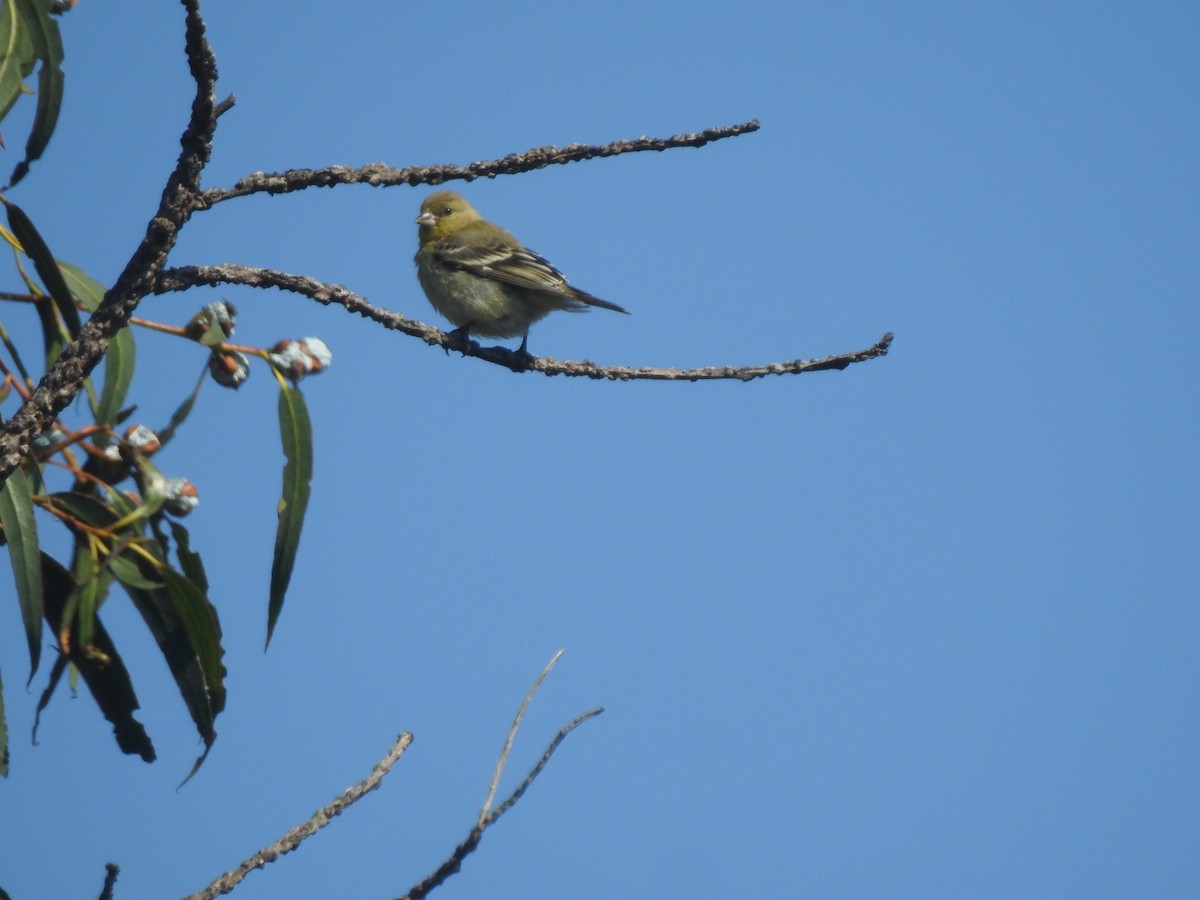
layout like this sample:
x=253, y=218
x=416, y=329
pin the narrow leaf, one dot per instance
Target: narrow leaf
x=119, y=359
x=56, y=674
x=88, y=509
x=102, y=668
x=47, y=46
x=52, y=339
x=16, y=54
x=82, y=285
x=126, y=571
x=47, y=268
x=80, y=612
x=181, y=414
x=189, y=560
x=295, y=428
x=184, y=624
x=20, y=531
x=199, y=617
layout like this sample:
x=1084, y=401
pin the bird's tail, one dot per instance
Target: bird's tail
x=588, y=300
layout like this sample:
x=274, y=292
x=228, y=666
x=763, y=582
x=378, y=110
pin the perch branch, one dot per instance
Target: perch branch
x=319, y=820
x=380, y=175
x=182, y=278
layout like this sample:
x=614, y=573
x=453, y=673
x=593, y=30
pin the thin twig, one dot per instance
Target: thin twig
x=511, y=736
x=316, y=822
x=516, y=795
x=190, y=276
x=487, y=818
x=224, y=106
x=381, y=175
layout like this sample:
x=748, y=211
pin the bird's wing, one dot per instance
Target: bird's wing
x=499, y=260
x=510, y=263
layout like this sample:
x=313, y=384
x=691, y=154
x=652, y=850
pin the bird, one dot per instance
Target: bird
x=483, y=279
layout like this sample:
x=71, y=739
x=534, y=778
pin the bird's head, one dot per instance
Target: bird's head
x=443, y=213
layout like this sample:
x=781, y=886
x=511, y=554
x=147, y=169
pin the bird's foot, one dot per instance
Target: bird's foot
x=523, y=357
x=459, y=339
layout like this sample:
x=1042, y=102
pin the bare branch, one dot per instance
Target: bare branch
x=111, y=871
x=380, y=175
x=488, y=817
x=224, y=106
x=191, y=276
x=508, y=740
x=180, y=198
x=315, y=823
x=516, y=795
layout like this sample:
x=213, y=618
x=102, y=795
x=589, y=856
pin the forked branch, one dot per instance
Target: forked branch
x=487, y=815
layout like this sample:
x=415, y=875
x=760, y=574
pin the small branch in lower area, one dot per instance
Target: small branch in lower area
x=487, y=815
x=315, y=823
x=541, y=764
x=182, y=278
x=111, y=871
x=510, y=737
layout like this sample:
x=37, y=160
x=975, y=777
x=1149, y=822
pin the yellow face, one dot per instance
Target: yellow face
x=445, y=211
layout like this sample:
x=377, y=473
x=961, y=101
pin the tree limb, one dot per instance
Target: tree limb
x=111, y=871
x=380, y=175
x=487, y=815
x=180, y=198
x=315, y=823
x=182, y=278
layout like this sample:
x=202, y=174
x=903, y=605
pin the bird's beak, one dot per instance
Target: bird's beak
x=426, y=218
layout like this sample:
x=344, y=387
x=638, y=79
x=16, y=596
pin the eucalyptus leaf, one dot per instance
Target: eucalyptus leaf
x=295, y=428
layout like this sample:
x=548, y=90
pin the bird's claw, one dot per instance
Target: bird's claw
x=459, y=339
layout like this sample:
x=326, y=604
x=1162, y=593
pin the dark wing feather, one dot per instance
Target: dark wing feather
x=515, y=265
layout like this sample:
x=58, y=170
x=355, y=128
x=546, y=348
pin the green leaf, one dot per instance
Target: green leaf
x=82, y=285
x=52, y=339
x=119, y=359
x=47, y=46
x=56, y=674
x=20, y=532
x=88, y=509
x=3, y=735
x=81, y=606
x=102, y=668
x=185, y=626
x=199, y=617
x=180, y=414
x=189, y=560
x=126, y=571
x=16, y=54
x=295, y=427
x=47, y=268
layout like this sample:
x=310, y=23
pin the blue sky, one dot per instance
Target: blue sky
x=923, y=628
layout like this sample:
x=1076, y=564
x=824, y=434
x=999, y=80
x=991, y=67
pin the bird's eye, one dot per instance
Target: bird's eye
x=446, y=211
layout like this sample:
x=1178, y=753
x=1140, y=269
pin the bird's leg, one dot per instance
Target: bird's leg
x=525, y=356
x=460, y=336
